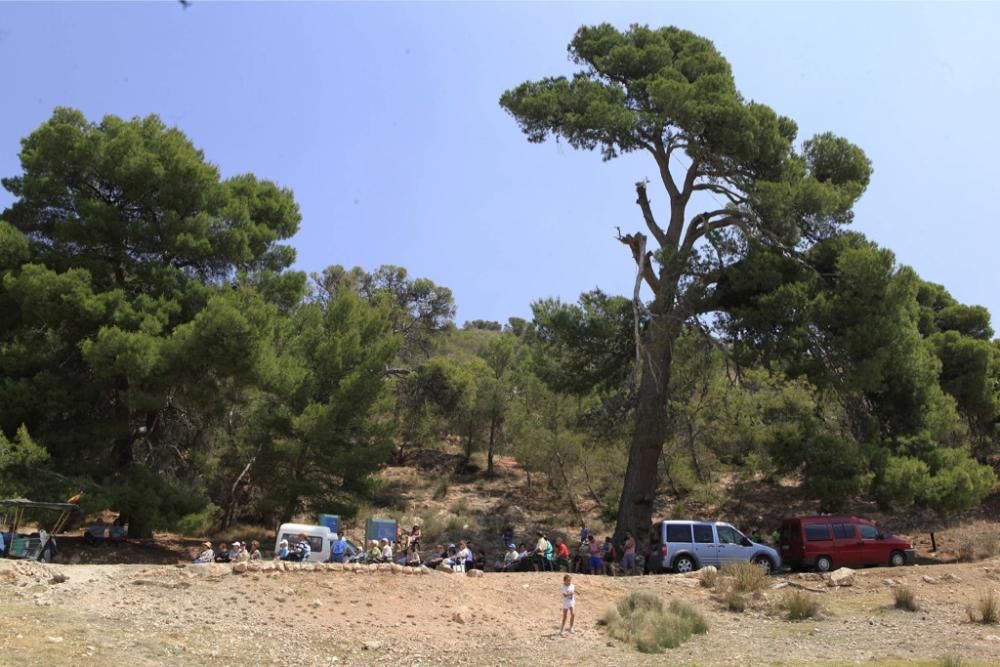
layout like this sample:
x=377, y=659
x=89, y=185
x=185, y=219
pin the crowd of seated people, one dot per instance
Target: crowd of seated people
x=100, y=533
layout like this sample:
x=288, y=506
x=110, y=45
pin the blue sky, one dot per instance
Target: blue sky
x=383, y=119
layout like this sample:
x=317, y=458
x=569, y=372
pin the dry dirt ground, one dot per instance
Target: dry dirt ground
x=167, y=615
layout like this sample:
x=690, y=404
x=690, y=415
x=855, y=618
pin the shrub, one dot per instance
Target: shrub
x=746, y=577
x=950, y=660
x=799, y=605
x=734, y=600
x=904, y=598
x=709, y=577
x=641, y=620
x=987, y=611
x=979, y=545
x=197, y=524
x=441, y=488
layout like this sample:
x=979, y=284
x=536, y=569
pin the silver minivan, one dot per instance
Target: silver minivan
x=683, y=546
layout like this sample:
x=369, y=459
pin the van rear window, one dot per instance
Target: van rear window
x=703, y=534
x=817, y=531
x=679, y=532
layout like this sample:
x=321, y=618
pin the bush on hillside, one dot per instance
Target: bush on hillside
x=640, y=619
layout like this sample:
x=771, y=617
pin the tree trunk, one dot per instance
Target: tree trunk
x=489, y=452
x=635, y=511
x=138, y=527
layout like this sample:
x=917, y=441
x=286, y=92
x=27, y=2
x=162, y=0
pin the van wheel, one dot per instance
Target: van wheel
x=683, y=564
x=764, y=563
x=824, y=564
x=897, y=558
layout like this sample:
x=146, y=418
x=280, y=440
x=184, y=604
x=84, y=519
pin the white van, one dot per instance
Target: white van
x=318, y=537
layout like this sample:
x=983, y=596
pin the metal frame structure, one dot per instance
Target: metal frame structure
x=13, y=515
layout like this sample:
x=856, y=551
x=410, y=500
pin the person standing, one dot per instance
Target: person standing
x=568, y=605
x=628, y=559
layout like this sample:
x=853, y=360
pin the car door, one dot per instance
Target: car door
x=845, y=543
x=705, y=546
x=871, y=550
x=731, y=547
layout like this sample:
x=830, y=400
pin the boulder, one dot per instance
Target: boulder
x=316, y=604
x=460, y=615
x=425, y=570
x=397, y=568
x=335, y=567
x=707, y=571
x=372, y=645
x=474, y=573
x=928, y=579
x=240, y=568
x=841, y=577
x=953, y=578
x=444, y=568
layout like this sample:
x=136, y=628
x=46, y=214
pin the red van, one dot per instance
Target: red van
x=826, y=542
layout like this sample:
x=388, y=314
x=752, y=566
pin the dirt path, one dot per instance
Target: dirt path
x=118, y=614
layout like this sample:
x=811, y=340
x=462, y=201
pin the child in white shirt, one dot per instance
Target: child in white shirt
x=568, y=604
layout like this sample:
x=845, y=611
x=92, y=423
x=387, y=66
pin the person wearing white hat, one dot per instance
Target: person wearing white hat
x=282, y=550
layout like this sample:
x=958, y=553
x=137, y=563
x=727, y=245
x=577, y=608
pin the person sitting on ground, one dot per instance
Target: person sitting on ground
x=374, y=552
x=412, y=557
x=254, y=550
x=302, y=550
x=610, y=555
x=282, y=553
x=206, y=555
x=244, y=554
x=480, y=562
x=561, y=555
x=95, y=533
x=116, y=534
x=463, y=558
x=386, y=551
x=437, y=557
x=222, y=554
x=510, y=558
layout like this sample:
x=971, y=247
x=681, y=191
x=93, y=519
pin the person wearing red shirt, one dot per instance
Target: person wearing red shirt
x=562, y=554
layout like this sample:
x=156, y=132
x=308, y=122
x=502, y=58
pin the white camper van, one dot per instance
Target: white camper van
x=318, y=537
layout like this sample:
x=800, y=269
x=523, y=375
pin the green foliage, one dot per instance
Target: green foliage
x=19, y=459
x=852, y=327
x=640, y=619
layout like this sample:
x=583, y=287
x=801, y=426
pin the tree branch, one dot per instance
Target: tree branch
x=647, y=213
x=637, y=244
x=662, y=157
x=703, y=224
x=733, y=196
